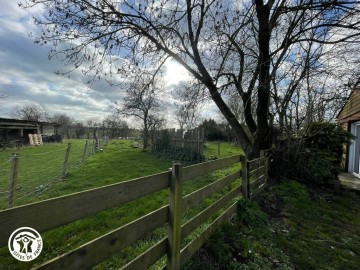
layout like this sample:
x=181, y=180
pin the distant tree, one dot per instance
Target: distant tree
x=37, y=113
x=79, y=129
x=188, y=104
x=92, y=125
x=65, y=124
x=115, y=127
x=142, y=101
x=212, y=130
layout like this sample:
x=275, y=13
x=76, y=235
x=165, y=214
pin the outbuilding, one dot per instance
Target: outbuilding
x=349, y=118
x=15, y=132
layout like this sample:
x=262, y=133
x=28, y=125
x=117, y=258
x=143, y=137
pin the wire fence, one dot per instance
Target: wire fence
x=28, y=174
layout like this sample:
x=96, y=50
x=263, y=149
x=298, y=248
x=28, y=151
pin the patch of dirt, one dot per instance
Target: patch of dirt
x=272, y=205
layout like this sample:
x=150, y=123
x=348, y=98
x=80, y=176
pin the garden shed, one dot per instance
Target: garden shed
x=15, y=132
x=349, y=118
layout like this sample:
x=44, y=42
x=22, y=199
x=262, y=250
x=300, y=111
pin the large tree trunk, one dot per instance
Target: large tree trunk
x=249, y=120
x=262, y=138
x=145, y=134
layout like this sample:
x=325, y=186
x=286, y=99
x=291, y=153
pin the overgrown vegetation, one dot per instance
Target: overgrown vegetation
x=314, y=157
x=185, y=155
x=290, y=227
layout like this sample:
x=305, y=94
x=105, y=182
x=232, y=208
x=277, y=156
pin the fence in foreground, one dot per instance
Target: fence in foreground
x=53, y=213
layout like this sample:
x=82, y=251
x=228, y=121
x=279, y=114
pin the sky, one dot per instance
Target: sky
x=27, y=76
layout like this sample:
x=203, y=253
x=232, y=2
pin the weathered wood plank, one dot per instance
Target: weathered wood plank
x=194, y=171
x=194, y=245
x=245, y=177
x=48, y=214
x=258, y=182
x=256, y=163
x=198, y=195
x=196, y=221
x=258, y=190
x=149, y=257
x=258, y=172
x=96, y=251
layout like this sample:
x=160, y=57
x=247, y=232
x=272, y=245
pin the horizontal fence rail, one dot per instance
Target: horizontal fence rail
x=52, y=213
x=49, y=214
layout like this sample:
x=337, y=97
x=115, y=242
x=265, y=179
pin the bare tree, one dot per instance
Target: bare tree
x=227, y=46
x=187, y=113
x=115, y=126
x=79, y=130
x=65, y=124
x=33, y=112
x=187, y=116
x=92, y=125
x=142, y=102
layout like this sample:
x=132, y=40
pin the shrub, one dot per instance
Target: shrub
x=314, y=157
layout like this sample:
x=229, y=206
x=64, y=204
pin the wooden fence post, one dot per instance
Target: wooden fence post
x=12, y=180
x=245, y=177
x=85, y=150
x=175, y=208
x=64, y=172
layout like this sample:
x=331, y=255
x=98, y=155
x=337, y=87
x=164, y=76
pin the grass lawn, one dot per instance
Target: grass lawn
x=226, y=149
x=295, y=227
x=118, y=162
x=39, y=167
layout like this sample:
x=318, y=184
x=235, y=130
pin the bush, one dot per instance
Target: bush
x=315, y=157
x=318, y=166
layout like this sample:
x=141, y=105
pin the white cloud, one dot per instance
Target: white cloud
x=175, y=73
x=29, y=77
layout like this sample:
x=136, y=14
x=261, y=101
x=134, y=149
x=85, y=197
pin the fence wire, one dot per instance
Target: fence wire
x=5, y=169
x=38, y=170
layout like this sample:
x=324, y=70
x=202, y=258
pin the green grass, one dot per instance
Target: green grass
x=118, y=162
x=226, y=149
x=296, y=228
x=39, y=168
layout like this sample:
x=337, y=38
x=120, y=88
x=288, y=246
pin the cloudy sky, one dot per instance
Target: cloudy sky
x=28, y=77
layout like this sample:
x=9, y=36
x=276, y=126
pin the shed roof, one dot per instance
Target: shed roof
x=7, y=122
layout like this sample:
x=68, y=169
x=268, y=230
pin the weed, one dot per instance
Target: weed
x=311, y=232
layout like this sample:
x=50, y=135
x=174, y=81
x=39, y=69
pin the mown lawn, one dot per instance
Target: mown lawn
x=295, y=227
x=119, y=161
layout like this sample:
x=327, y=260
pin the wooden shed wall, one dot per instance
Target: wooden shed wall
x=351, y=108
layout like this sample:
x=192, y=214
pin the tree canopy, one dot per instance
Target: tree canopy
x=241, y=48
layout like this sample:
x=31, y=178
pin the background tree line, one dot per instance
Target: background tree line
x=112, y=126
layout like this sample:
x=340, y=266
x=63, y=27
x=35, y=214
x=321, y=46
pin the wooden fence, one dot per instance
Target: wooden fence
x=49, y=214
x=193, y=139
